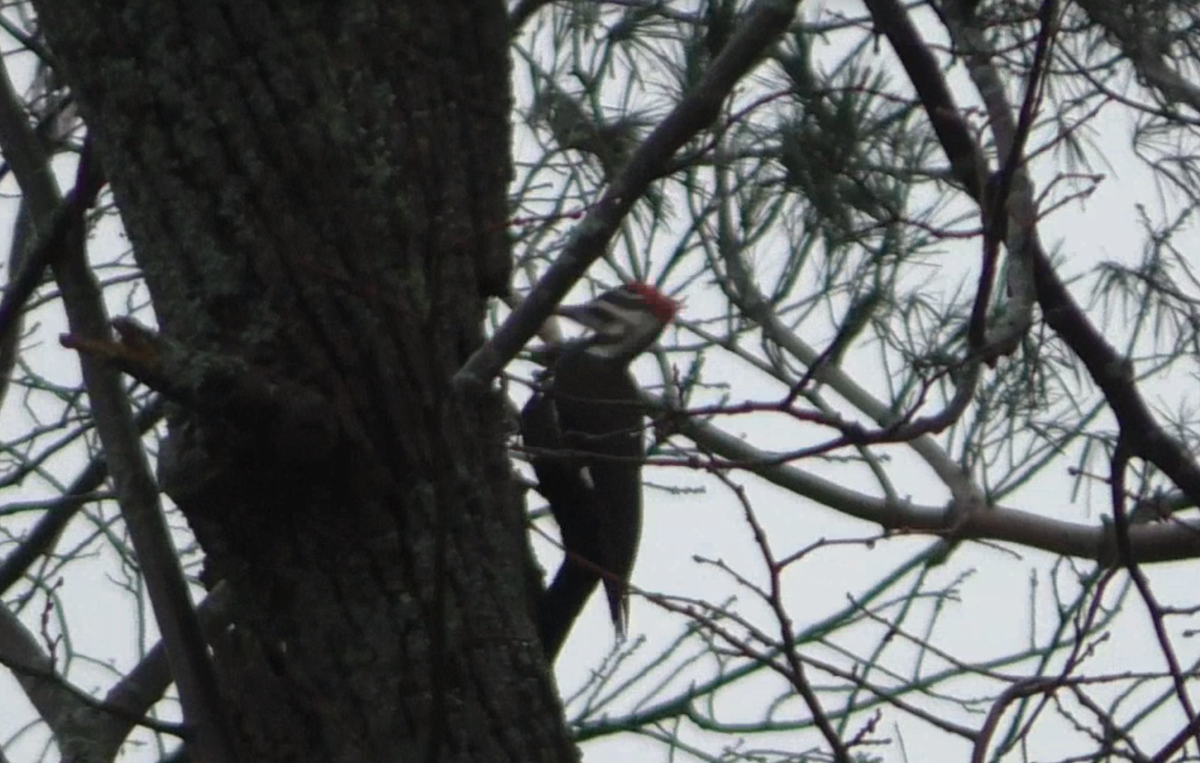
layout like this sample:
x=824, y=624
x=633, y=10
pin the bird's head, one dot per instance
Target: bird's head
x=625, y=321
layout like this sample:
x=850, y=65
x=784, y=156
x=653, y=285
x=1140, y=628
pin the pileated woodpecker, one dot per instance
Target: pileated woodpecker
x=583, y=429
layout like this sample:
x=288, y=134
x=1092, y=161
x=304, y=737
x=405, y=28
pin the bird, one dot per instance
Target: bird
x=583, y=431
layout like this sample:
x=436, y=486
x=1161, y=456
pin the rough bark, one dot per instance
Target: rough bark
x=316, y=194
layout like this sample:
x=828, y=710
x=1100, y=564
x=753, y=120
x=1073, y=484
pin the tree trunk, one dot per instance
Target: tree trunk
x=316, y=194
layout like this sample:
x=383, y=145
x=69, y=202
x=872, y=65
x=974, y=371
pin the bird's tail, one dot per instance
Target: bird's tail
x=618, y=605
x=562, y=603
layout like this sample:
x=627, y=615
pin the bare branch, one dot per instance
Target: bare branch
x=135, y=485
x=763, y=24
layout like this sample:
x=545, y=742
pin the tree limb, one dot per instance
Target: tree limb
x=137, y=493
x=1111, y=372
x=763, y=24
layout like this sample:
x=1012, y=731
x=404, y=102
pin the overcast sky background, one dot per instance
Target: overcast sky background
x=995, y=609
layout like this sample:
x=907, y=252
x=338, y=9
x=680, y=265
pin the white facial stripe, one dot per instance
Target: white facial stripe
x=585, y=474
x=606, y=351
x=625, y=316
x=625, y=298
